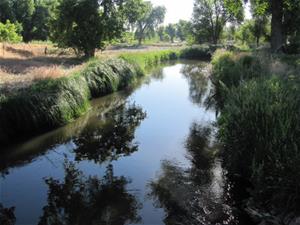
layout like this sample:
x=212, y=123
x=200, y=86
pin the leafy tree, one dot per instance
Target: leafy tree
x=86, y=25
x=161, y=33
x=244, y=32
x=23, y=11
x=183, y=29
x=41, y=20
x=285, y=18
x=144, y=17
x=171, y=31
x=210, y=17
x=6, y=11
x=9, y=32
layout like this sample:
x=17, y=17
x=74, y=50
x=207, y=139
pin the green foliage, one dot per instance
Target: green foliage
x=196, y=52
x=209, y=19
x=145, y=60
x=9, y=32
x=230, y=71
x=260, y=128
x=143, y=17
x=183, y=30
x=171, y=31
x=86, y=25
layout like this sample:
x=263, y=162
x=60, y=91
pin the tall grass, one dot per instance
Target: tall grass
x=51, y=103
x=230, y=70
x=260, y=128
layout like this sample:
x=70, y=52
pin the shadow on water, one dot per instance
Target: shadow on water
x=106, y=132
x=199, y=194
x=80, y=200
x=188, y=191
x=112, y=140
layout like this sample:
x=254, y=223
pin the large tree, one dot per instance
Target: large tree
x=171, y=31
x=86, y=25
x=210, y=17
x=285, y=16
x=144, y=17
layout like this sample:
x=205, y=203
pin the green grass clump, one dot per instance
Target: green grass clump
x=230, y=70
x=47, y=104
x=145, y=60
x=260, y=128
x=196, y=52
x=54, y=102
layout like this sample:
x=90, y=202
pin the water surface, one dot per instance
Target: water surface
x=142, y=156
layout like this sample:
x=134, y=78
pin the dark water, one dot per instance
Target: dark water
x=144, y=156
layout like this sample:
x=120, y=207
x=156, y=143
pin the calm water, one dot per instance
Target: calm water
x=143, y=156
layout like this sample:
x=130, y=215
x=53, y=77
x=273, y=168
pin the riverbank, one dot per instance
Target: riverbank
x=51, y=103
x=257, y=96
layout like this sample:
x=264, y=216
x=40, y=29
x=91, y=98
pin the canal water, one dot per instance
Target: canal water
x=141, y=156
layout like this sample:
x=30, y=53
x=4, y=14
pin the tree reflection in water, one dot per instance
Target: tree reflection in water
x=113, y=139
x=7, y=215
x=193, y=195
x=197, y=75
x=80, y=200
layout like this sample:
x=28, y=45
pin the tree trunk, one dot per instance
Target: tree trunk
x=140, y=40
x=276, y=26
x=89, y=53
x=257, y=41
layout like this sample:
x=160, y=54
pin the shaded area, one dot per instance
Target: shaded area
x=110, y=112
x=7, y=215
x=113, y=139
x=84, y=200
x=197, y=194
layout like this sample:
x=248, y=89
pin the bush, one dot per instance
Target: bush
x=260, y=128
x=230, y=70
x=196, y=52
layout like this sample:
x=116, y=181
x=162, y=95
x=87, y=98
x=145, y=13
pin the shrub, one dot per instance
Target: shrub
x=196, y=52
x=260, y=129
x=229, y=70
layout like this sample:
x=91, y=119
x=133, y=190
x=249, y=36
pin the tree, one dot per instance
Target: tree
x=41, y=20
x=210, y=17
x=171, y=31
x=244, y=32
x=23, y=11
x=281, y=12
x=183, y=29
x=6, y=11
x=9, y=32
x=143, y=17
x=86, y=25
x=161, y=33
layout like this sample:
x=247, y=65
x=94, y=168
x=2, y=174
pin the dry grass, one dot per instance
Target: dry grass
x=22, y=64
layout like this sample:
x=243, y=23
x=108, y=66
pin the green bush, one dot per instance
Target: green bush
x=260, y=129
x=196, y=52
x=230, y=70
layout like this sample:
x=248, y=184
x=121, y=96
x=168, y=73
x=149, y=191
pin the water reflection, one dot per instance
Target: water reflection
x=193, y=195
x=80, y=200
x=113, y=139
x=107, y=129
x=7, y=215
x=197, y=75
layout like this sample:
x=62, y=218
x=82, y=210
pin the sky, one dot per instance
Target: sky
x=181, y=9
x=176, y=9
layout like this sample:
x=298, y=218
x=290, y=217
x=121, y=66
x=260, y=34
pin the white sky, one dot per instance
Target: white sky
x=182, y=9
x=176, y=9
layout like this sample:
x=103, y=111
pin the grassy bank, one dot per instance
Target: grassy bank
x=259, y=102
x=50, y=103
